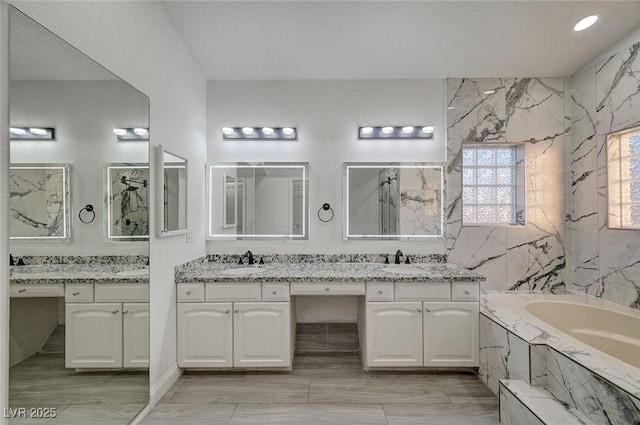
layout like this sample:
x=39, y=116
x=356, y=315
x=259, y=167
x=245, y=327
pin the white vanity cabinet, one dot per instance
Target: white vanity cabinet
x=110, y=332
x=425, y=329
x=241, y=334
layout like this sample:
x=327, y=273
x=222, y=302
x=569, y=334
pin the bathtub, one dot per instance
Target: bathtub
x=606, y=330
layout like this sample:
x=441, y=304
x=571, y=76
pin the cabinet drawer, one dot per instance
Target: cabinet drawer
x=190, y=292
x=414, y=291
x=121, y=292
x=275, y=292
x=247, y=291
x=379, y=291
x=78, y=293
x=30, y=291
x=319, y=288
x=465, y=291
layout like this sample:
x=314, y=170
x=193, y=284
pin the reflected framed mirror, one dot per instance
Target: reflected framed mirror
x=266, y=200
x=84, y=357
x=171, y=194
x=127, y=201
x=393, y=201
x=39, y=203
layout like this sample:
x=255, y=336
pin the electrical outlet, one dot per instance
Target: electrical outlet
x=189, y=236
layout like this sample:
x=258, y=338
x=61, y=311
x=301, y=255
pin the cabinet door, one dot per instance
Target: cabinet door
x=262, y=335
x=135, y=327
x=93, y=337
x=394, y=334
x=205, y=335
x=451, y=334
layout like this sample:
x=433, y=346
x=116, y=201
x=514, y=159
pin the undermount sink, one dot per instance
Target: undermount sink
x=243, y=271
x=404, y=270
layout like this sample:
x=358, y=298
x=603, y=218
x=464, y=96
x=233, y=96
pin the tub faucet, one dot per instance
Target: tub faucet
x=398, y=255
x=250, y=255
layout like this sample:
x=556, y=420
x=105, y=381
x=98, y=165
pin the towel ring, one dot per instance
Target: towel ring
x=89, y=209
x=325, y=207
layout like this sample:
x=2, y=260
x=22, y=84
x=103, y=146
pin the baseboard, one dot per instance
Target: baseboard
x=163, y=385
x=140, y=416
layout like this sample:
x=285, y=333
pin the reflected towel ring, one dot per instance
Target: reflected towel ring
x=325, y=207
x=89, y=209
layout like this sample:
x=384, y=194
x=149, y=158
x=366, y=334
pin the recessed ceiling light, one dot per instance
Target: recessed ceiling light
x=585, y=23
x=488, y=92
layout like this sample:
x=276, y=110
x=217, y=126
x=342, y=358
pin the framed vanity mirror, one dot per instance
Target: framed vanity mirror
x=264, y=200
x=393, y=201
x=39, y=203
x=171, y=193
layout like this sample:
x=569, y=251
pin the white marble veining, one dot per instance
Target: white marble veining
x=605, y=98
x=127, y=201
x=528, y=111
x=329, y=272
x=514, y=323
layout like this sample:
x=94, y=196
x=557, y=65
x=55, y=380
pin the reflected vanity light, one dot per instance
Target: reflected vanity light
x=489, y=92
x=585, y=23
x=131, y=134
x=396, y=132
x=259, y=133
x=32, y=133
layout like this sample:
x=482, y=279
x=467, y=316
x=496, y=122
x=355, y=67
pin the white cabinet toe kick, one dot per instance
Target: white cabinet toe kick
x=401, y=324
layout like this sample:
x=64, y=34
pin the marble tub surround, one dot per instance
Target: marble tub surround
x=327, y=272
x=78, y=273
x=528, y=111
x=515, y=346
x=605, y=99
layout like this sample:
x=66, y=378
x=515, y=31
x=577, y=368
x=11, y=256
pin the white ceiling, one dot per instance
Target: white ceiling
x=274, y=40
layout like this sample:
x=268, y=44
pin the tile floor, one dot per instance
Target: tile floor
x=326, y=389
x=80, y=398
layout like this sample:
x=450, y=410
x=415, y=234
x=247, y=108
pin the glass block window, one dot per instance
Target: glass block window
x=491, y=189
x=623, y=178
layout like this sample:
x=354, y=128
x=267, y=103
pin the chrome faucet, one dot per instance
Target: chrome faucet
x=249, y=254
x=398, y=255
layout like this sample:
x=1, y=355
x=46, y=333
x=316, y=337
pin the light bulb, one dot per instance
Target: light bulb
x=227, y=130
x=119, y=131
x=140, y=131
x=585, y=23
x=387, y=130
x=267, y=131
x=38, y=131
x=427, y=130
x=17, y=131
x=488, y=92
x=247, y=131
x=366, y=131
x=288, y=131
x=407, y=130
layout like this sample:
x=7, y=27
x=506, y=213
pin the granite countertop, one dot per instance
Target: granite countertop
x=329, y=272
x=78, y=273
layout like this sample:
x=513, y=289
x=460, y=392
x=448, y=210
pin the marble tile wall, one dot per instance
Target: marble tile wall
x=604, y=98
x=530, y=111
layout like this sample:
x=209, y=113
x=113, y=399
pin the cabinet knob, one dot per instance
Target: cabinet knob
x=22, y=291
x=380, y=291
x=326, y=289
x=75, y=294
x=275, y=292
x=419, y=310
x=115, y=311
x=467, y=292
x=227, y=311
x=125, y=312
x=427, y=310
x=188, y=292
x=237, y=310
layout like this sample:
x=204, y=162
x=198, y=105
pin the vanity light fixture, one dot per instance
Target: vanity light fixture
x=449, y=108
x=131, y=134
x=585, y=23
x=396, y=132
x=488, y=92
x=259, y=133
x=32, y=133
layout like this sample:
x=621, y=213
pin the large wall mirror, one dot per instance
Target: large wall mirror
x=258, y=201
x=75, y=345
x=393, y=201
